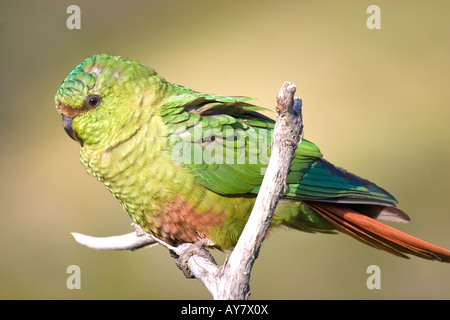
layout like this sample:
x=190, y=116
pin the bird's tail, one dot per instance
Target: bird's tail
x=377, y=234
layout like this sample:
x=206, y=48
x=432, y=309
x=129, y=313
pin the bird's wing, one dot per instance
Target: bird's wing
x=225, y=142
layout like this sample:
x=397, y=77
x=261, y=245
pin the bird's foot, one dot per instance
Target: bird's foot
x=197, y=248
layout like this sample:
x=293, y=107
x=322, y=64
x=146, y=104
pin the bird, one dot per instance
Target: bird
x=187, y=166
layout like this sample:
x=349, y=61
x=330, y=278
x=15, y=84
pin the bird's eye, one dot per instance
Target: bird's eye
x=92, y=101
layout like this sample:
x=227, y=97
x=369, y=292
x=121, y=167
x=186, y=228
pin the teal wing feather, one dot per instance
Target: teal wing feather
x=225, y=142
x=326, y=182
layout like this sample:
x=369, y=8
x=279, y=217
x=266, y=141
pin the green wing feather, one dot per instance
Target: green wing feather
x=225, y=142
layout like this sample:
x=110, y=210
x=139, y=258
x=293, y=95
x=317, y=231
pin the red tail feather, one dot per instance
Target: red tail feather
x=377, y=234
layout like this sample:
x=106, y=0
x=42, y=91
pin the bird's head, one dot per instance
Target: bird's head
x=101, y=99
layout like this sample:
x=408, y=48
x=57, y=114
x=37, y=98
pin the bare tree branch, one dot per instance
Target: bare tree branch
x=129, y=241
x=231, y=280
x=234, y=283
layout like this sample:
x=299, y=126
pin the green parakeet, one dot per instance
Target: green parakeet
x=187, y=165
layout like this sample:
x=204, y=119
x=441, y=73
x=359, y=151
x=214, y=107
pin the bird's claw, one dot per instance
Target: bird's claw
x=197, y=248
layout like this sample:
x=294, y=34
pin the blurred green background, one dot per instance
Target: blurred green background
x=375, y=101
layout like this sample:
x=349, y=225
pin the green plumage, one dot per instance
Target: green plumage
x=186, y=165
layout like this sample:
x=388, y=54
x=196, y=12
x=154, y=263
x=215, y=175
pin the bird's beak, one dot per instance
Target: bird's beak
x=67, y=124
x=67, y=118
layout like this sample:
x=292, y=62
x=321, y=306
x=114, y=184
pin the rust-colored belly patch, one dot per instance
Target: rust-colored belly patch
x=181, y=222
